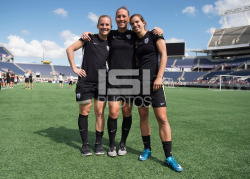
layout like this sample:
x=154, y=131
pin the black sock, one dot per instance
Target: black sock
x=112, y=128
x=83, y=128
x=146, y=142
x=126, y=125
x=167, y=148
x=98, y=137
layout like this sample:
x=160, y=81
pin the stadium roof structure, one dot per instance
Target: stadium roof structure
x=5, y=55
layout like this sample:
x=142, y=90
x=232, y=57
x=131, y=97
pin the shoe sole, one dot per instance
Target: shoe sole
x=112, y=155
x=99, y=153
x=122, y=153
x=89, y=154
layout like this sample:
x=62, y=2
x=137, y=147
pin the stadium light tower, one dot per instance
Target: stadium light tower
x=242, y=9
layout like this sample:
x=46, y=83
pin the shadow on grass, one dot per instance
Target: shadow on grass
x=71, y=137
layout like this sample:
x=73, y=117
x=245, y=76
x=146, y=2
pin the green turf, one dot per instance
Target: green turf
x=40, y=139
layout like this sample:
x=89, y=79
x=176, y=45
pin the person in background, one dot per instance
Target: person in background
x=31, y=80
x=8, y=76
x=60, y=80
x=12, y=77
x=70, y=80
x=26, y=79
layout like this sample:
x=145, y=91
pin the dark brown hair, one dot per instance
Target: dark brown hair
x=140, y=16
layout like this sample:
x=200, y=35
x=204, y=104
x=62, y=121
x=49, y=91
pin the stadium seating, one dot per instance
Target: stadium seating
x=241, y=73
x=212, y=74
x=186, y=63
x=192, y=76
x=170, y=61
x=64, y=70
x=173, y=75
x=5, y=66
x=42, y=69
x=230, y=37
x=2, y=51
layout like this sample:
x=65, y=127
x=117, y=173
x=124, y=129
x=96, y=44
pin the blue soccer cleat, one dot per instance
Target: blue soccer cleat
x=173, y=164
x=145, y=154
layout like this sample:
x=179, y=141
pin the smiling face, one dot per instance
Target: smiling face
x=138, y=26
x=104, y=26
x=122, y=19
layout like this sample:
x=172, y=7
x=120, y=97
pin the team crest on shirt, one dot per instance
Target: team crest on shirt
x=146, y=40
x=128, y=36
x=107, y=48
x=78, y=95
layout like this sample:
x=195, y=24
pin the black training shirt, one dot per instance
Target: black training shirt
x=147, y=54
x=95, y=54
x=122, y=54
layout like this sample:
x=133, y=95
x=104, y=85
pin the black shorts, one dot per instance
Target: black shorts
x=121, y=92
x=60, y=81
x=70, y=83
x=8, y=80
x=12, y=79
x=87, y=90
x=26, y=80
x=155, y=99
x=1, y=79
x=31, y=81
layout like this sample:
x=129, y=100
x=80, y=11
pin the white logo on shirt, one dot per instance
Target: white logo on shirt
x=95, y=43
x=128, y=36
x=107, y=48
x=78, y=95
x=146, y=41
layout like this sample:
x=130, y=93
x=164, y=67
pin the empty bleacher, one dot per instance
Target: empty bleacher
x=241, y=73
x=192, y=76
x=170, y=61
x=215, y=73
x=230, y=37
x=5, y=66
x=186, y=63
x=43, y=69
x=173, y=75
x=64, y=70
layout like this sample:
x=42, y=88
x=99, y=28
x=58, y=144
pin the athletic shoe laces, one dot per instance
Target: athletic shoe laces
x=171, y=161
x=145, y=152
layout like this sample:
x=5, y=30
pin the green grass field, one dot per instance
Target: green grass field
x=40, y=138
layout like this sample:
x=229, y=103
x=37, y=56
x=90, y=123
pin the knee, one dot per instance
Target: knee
x=162, y=120
x=126, y=112
x=113, y=115
x=144, y=114
x=99, y=114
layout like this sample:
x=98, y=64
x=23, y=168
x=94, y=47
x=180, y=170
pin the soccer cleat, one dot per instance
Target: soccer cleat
x=86, y=150
x=145, y=154
x=112, y=151
x=99, y=149
x=173, y=164
x=122, y=150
